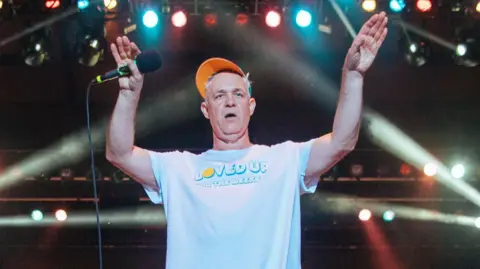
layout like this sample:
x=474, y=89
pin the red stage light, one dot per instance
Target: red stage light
x=210, y=19
x=405, y=169
x=242, y=19
x=51, y=4
x=273, y=19
x=179, y=19
x=424, y=5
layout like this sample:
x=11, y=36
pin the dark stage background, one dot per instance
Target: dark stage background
x=436, y=105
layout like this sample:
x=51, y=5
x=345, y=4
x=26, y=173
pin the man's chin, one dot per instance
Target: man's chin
x=233, y=131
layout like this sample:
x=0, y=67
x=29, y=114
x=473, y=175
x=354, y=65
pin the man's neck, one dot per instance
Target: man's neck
x=235, y=143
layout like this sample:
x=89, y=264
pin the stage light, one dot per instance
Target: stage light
x=273, y=19
x=66, y=173
x=457, y=6
x=477, y=223
x=467, y=51
x=52, y=4
x=430, y=169
x=478, y=6
x=303, y=18
x=388, y=215
x=179, y=19
x=356, y=170
x=119, y=176
x=424, y=5
x=405, y=169
x=98, y=174
x=416, y=53
x=211, y=19
x=110, y=4
x=397, y=5
x=457, y=171
x=364, y=215
x=35, y=51
x=413, y=47
x=90, y=51
x=61, y=215
x=461, y=50
x=241, y=19
x=150, y=19
x=37, y=215
x=369, y=5
x=82, y=4
x=1, y=4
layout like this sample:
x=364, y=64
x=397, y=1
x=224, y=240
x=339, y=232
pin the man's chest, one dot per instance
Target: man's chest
x=218, y=174
x=206, y=181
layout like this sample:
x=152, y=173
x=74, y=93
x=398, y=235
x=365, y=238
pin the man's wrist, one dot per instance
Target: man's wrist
x=131, y=95
x=352, y=73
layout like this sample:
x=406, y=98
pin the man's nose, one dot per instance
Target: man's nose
x=230, y=100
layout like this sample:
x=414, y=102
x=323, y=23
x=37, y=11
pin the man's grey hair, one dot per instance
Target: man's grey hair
x=248, y=83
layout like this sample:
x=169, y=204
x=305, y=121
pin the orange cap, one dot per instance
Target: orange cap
x=211, y=67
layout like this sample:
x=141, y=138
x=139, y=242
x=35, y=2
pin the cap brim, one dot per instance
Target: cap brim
x=211, y=67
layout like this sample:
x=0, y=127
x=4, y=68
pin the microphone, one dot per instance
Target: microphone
x=146, y=62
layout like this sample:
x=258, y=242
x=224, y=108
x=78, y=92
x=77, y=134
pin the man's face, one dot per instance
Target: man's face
x=228, y=105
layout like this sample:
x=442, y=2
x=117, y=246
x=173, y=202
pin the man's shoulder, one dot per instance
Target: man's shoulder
x=277, y=148
x=197, y=153
x=286, y=143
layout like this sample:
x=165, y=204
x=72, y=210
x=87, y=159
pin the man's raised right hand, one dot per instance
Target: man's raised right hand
x=124, y=52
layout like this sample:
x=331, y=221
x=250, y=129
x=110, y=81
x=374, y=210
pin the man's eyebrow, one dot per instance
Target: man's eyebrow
x=220, y=91
x=234, y=90
x=239, y=90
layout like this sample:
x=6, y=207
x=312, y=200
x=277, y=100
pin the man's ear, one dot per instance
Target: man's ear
x=204, y=109
x=252, y=105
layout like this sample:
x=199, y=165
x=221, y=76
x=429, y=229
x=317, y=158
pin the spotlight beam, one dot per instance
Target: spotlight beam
x=425, y=34
x=343, y=18
x=39, y=26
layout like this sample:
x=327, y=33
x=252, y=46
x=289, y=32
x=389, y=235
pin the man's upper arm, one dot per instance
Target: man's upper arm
x=147, y=168
x=323, y=156
x=315, y=157
x=138, y=165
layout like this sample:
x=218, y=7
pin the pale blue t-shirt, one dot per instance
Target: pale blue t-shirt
x=233, y=209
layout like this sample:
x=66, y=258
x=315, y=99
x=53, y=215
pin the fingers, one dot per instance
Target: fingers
x=368, y=25
x=135, y=49
x=126, y=47
x=381, y=29
x=379, y=22
x=134, y=70
x=374, y=24
x=379, y=41
x=115, y=53
x=123, y=49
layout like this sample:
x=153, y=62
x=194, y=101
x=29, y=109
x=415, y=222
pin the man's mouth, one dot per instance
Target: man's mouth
x=230, y=115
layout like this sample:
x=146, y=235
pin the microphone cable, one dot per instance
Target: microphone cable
x=94, y=177
x=147, y=61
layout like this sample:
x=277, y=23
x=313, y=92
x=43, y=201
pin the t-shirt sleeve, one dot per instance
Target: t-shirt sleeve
x=307, y=184
x=160, y=161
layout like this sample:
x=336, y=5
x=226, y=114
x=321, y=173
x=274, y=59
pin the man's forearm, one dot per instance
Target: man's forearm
x=348, y=116
x=121, y=131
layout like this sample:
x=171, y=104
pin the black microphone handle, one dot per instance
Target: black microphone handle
x=120, y=71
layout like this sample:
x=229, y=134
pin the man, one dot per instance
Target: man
x=236, y=205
